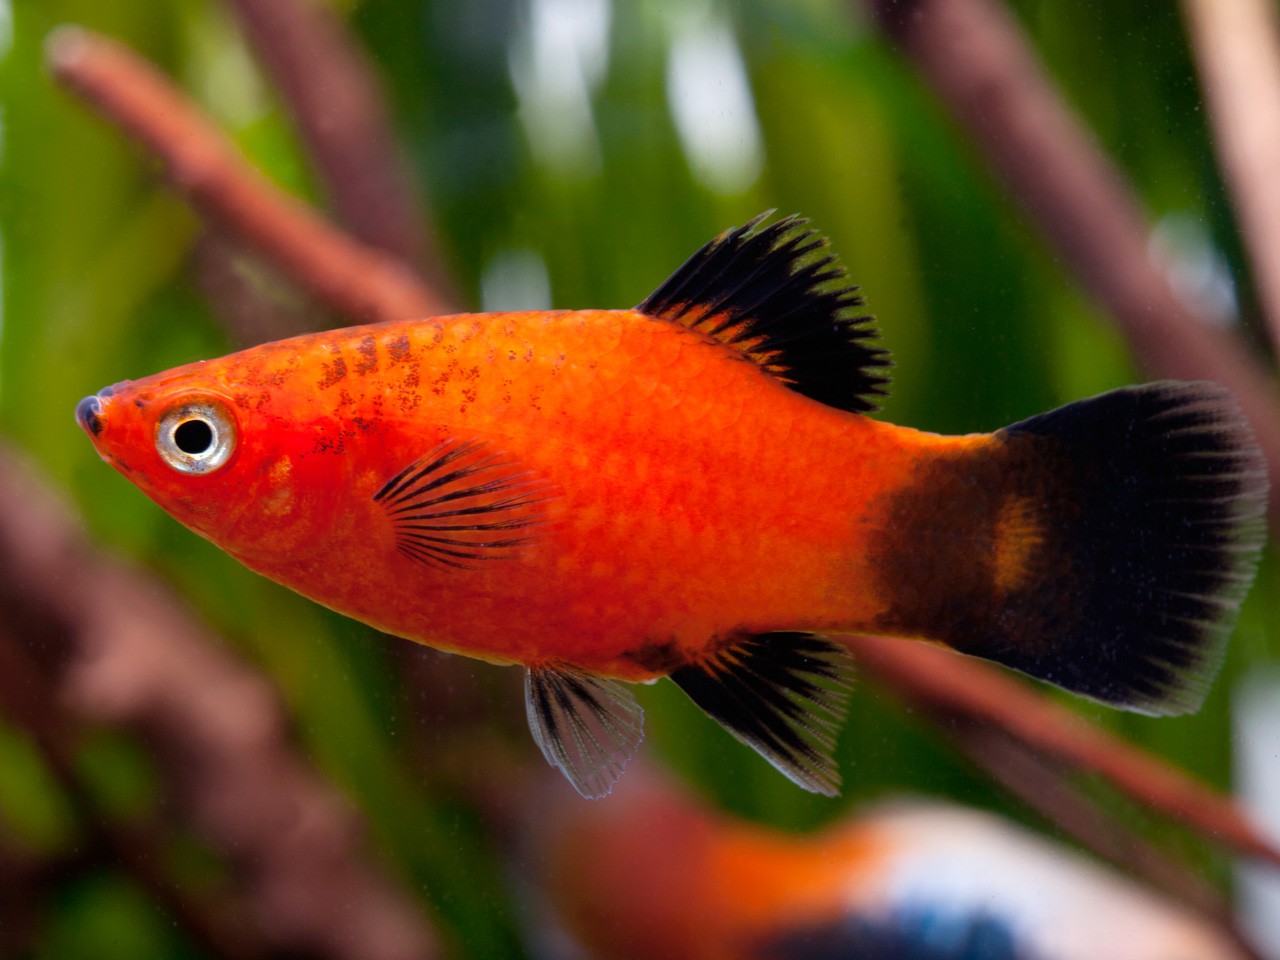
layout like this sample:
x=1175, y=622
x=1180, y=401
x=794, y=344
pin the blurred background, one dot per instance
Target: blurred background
x=555, y=153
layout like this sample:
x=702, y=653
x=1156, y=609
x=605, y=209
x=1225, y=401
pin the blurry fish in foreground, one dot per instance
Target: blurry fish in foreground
x=690, y=489
x=653, y=873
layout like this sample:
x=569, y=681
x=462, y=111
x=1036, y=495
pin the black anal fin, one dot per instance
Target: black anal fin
x=784, y=695
x=463, y=503
x=587, y=727
x=777, y=297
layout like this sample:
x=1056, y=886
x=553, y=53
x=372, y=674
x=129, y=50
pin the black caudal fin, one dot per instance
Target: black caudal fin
x=1121, y=534
x=784, y=694
x=1170, y=488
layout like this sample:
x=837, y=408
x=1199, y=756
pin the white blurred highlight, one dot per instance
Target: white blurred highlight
x=1055, y=903
x=515, y=280
x=556, y=65
x=709, y=96
x=1198, y=273
x=6, y=27
x=1255, y=721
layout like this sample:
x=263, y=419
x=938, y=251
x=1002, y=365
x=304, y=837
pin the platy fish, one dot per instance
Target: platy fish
x=692, y=489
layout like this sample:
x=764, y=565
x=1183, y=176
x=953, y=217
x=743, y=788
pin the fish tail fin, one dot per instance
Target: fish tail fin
x=1114, y=541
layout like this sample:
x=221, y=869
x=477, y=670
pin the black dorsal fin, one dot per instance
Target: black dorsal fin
x=784, y=695
x=774, y=294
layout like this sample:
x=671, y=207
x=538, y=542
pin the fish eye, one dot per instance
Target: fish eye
x=196, y=437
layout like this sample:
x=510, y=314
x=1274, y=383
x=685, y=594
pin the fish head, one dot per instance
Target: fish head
x=222, y=466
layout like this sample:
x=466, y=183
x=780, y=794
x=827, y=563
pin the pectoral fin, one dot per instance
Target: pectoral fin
x=782, y=694
x=587, y=727
x=463, y=504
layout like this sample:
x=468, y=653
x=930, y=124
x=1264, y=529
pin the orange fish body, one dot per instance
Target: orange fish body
x=685, y=489
x=654, y=544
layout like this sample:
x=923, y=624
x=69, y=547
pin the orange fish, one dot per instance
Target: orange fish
x=656, y=873
x=691, y=489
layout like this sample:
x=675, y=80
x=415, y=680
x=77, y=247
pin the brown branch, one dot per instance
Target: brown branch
x=119, y=650
x=956, y=688
x=1237, y=48
x=983, y=69
x=28, y=700
x=343, y=119
x=357, y=281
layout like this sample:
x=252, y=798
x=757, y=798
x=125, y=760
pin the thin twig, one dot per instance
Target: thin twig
x=1237, y=48
x=980, y=65
x=120, y=651
x=959, y=687
x=359, y=282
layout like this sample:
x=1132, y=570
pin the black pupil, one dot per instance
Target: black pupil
x=193, y=437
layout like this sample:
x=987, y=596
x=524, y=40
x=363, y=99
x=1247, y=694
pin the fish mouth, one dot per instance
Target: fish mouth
x=89, y=410
x=89, y=415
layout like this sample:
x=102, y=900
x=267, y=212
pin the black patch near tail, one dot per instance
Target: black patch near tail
x=1104, y=547
x=772, y=294
x=784, y=694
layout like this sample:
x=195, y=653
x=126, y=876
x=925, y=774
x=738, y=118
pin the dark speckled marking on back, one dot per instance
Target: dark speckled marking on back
x=334, y=372
x=368, y=360
x=398, y=348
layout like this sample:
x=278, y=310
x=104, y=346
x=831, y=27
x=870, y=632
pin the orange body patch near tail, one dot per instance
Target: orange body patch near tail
x=1018, y=536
